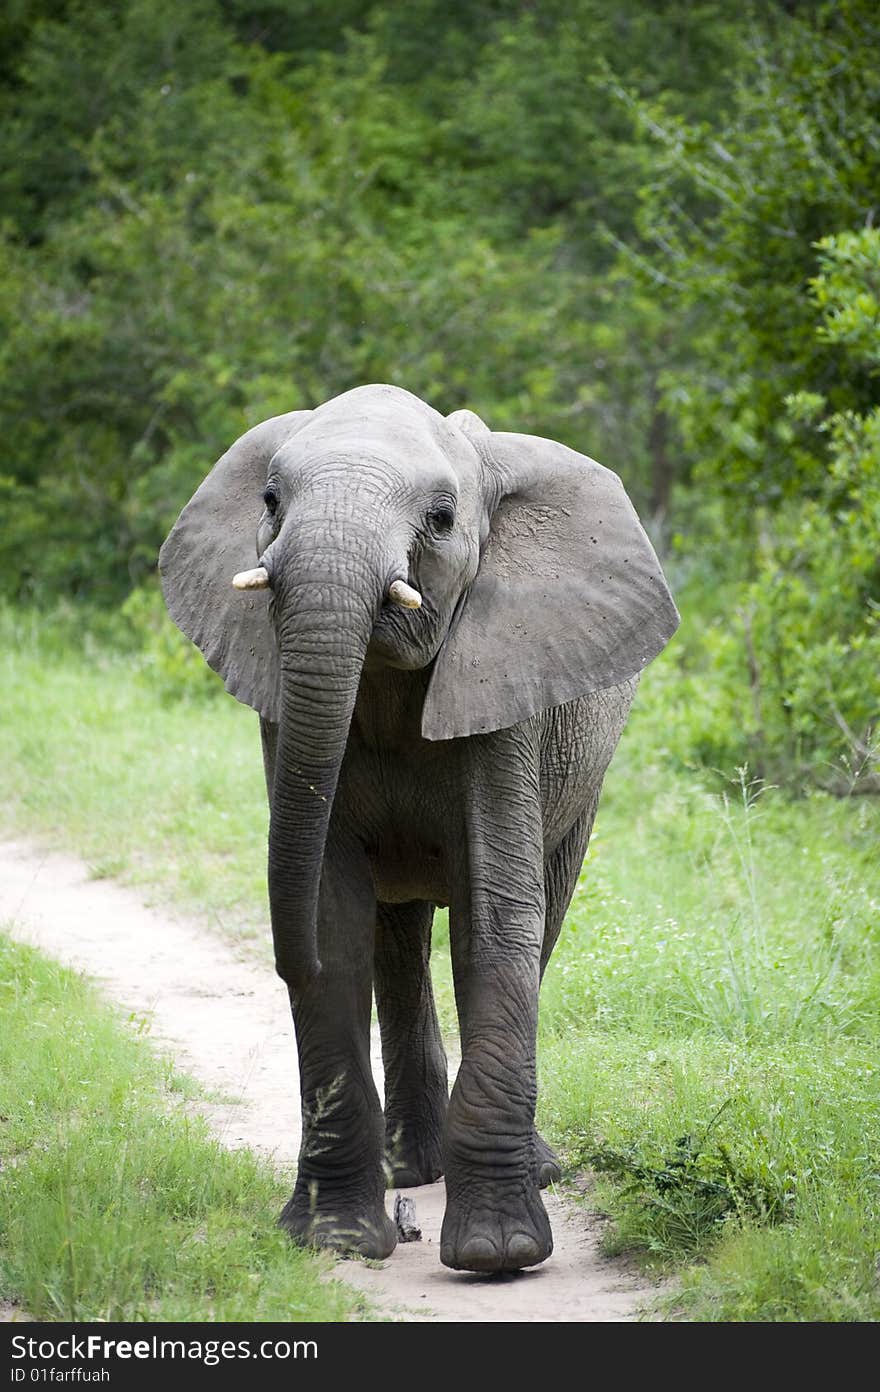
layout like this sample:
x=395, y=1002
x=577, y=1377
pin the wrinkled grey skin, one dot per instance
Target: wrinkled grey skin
x=449, y=755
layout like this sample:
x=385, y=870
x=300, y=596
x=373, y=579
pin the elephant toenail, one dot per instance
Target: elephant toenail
x=479, y=1254
x=550, y=1173
x=522, y=1250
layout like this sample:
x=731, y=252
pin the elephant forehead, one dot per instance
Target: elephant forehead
x=377, y=397
x=381, y=424
x=387, y=411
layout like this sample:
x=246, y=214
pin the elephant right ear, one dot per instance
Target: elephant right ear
x=214, y=538
x=569, y=597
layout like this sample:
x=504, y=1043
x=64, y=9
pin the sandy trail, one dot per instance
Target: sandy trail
x=225, y=1020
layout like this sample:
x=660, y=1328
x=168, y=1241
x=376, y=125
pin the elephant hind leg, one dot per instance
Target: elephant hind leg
x=416, y=1088
x=560, y=881
x=549, y=1168
x=561, y=870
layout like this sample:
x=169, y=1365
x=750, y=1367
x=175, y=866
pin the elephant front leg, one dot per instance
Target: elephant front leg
x=495, y=1219
x=339, y=1197
x=416, y=1087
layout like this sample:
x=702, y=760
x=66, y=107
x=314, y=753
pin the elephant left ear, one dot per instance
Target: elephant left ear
x=569, y=597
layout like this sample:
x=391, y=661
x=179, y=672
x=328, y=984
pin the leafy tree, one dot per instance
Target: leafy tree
x=795, y=159
x=308, y=248
x=790, y=665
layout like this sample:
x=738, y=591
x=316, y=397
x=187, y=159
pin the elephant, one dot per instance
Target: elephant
x=442, y=629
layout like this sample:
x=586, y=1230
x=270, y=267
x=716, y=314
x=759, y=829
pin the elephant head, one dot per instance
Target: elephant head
x=374, y=530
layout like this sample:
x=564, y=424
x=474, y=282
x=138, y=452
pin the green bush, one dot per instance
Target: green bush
x=811, y=617
x=780, y=669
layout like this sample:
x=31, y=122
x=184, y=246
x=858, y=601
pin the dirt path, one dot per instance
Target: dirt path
x=225, y=1020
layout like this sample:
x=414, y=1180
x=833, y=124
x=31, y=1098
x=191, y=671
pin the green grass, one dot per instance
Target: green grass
x=709, y=1037
x=710, y=1018
x=723, y=1160
x=115, y=1203
x=746, y=915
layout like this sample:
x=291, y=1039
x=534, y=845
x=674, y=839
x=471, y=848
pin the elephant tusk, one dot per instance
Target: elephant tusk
x=257, y=579
x=399, y=592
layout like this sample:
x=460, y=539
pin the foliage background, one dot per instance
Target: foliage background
x=646, y=229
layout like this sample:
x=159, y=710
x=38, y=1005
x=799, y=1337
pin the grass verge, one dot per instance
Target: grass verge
x=115, y=1204
x=748, y=1169
x=158, y=791
x=709, y=1037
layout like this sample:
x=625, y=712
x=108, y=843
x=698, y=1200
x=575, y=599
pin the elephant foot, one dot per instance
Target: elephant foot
x=413, y=1158
x=412, y=1176
x=549, y=1169
x=340, y=1228
x=504, y=1235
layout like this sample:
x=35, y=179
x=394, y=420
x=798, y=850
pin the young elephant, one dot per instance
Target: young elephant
x=441, y=628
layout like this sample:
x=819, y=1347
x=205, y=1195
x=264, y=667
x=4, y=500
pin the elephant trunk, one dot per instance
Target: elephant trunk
x=326, y=610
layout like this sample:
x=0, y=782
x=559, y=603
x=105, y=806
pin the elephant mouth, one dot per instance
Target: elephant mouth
x=404, y=638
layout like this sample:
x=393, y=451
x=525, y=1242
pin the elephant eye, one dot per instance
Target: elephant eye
x=441, y=518
x=270, y=498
